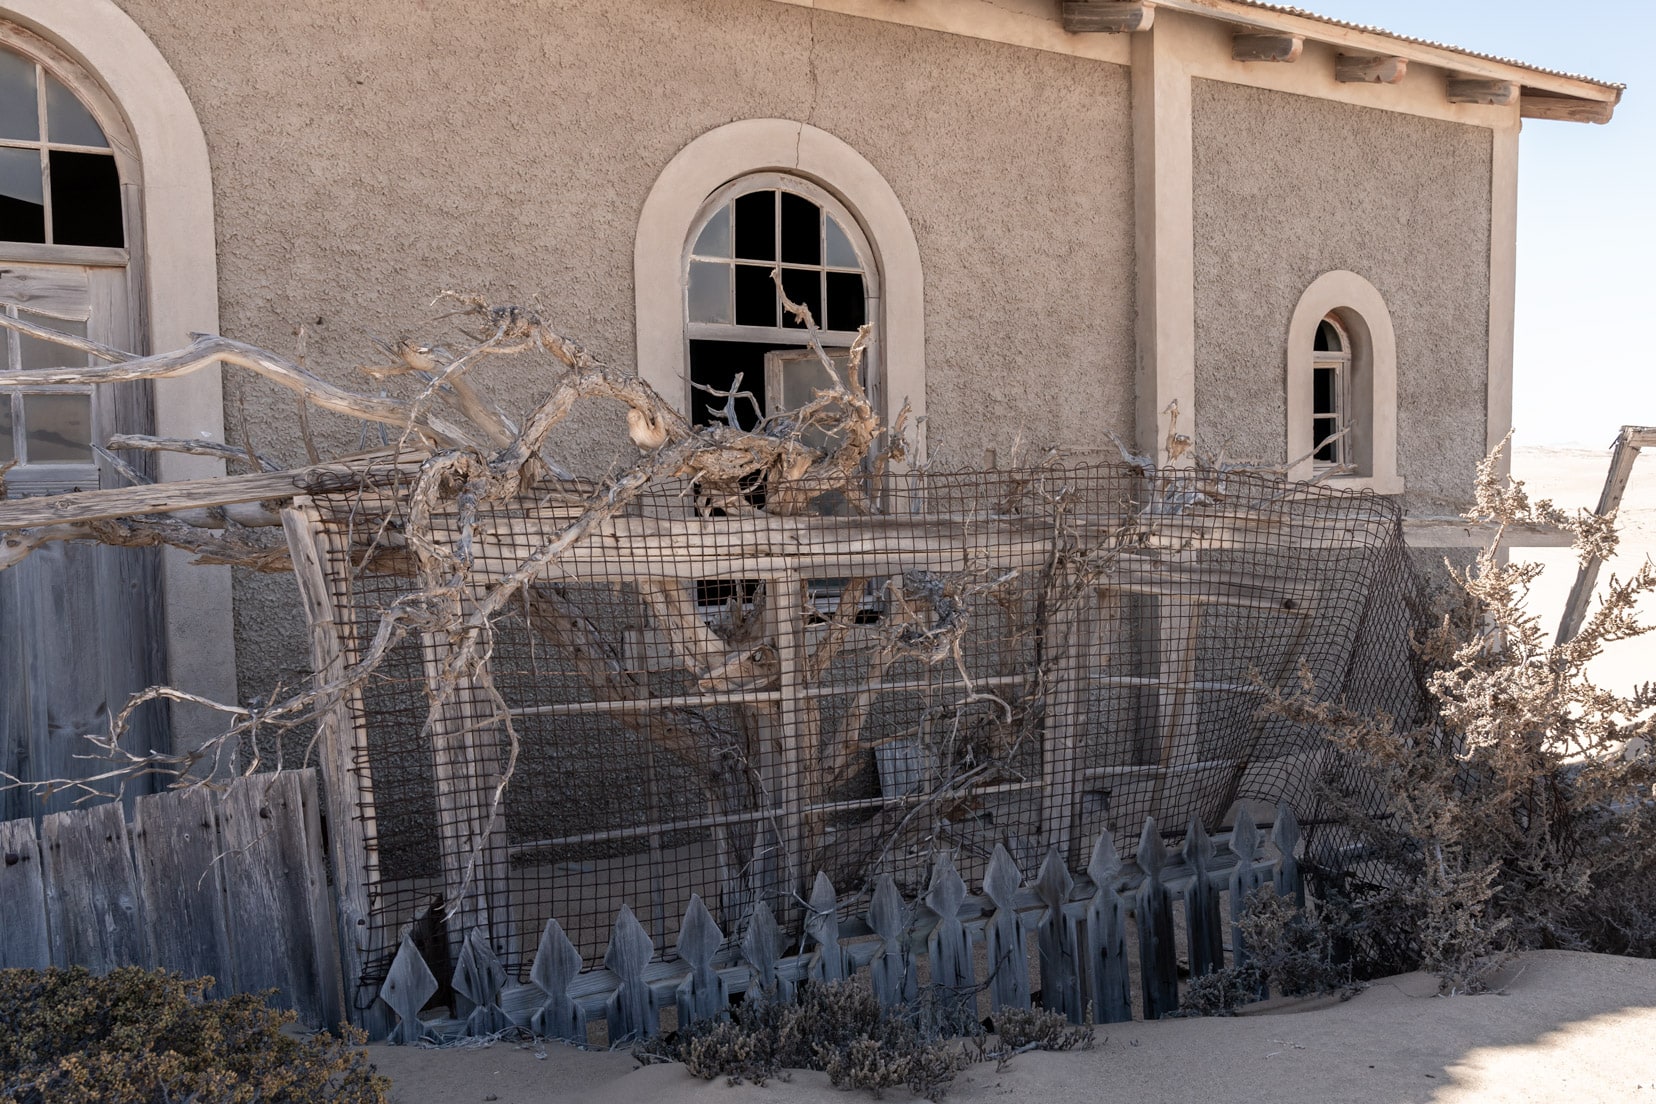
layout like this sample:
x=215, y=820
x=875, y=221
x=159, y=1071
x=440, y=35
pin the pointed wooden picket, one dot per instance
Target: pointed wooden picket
x=1107, y=969
x=1246, y=876
x=631, y=1012
x=1158, y=957
x=893, y=972
x=1203, y=928
x=1004, y=934
x=556, y=965
x=949, y=947
x=1285, y=833
x=408, y=985
x=822, y=925
x=478, y=979
x=702, y=995
x=1058, y=941
x=762, y=948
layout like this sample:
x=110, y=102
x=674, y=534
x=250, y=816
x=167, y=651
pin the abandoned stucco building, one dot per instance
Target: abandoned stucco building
x=1063, y=218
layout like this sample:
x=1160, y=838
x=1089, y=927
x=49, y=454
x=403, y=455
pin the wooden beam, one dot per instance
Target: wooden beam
x=1107, y=16
x=1493, y=93
x=1247, y=46
x=1563, y=108
x=1622, y=454
x=1364, y=69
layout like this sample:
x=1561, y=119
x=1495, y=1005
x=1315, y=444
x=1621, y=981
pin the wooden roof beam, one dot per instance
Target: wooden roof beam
x=1533, y=105
x=1107, y=16
x=1367, y=69
x=1248, y=46
x=1493, y=93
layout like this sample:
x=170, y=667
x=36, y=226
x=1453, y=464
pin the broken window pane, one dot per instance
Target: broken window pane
x=756, y=226
x=756, y=301
x=19, y=109
x=710, y=292
x=804, y=286
x=801, y=230
x=847, y=301
x=57, y=429
x=714, y=240
x=86, y=199
x=67, y=120
x=1322, y=391
x=1321, y=430
x=841, y=253
x=22, y=197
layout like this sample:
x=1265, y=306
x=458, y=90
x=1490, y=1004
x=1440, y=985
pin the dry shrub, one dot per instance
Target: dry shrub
x=138, y=1036
x=1039, y=1029
x=1518, y=812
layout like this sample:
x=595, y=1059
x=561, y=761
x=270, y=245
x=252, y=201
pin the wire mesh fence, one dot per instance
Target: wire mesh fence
x=724, y=697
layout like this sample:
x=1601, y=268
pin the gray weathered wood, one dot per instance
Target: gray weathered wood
x=1245, y=877
x=1266, y=47
x=1107, y=16
x=631, y=1010
x=1111, y=988
x=822, y=926
x=1532, y=105
x=1004, y=934
x=1494, y=93
x=25, y=942
x=1623, y=453
x=702, y=995
x=176, y=851
x=556, y=965
x=1158, y=956
x=1285, y=834
x=893, y=971
x=1369, y=69
x=762, y=948
x=1058, y=941
x=93, y=910
x=270, y=870
x=1204, y=931
x=408, y=986
x=949, y=946
x=478, y=981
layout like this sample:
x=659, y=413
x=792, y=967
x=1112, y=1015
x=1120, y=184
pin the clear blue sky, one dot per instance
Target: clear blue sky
x=1585, y=361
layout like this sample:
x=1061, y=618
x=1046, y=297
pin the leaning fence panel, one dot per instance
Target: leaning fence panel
x=728, y=700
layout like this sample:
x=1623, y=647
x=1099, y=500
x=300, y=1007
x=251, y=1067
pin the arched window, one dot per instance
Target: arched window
x=1342, y=386
x=739, y=336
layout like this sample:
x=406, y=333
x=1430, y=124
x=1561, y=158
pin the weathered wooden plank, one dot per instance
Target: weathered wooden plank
x=60, y=291
x=1107, y=969
x=1266, y=47
x=631, y=1009
x=1494, y=93
x=93, y=910
x=1285, y=833
x=408, y=985
x=346, y=775
x=1204, y=932
x=1532, y=105
x=1107, y=17
x=556, y=965
x=949, y=946
x=1158, y=956
x=478, y=981
x=270, y=871
x=762, y=949
x=1004, y=934
x=1623, y=453
x=25, y=941
x=176, y=852
x=822, y=927
x=1058, y=941
x=893, y=971
x=1369, y=69
x=1246, y=876
x=702, y=995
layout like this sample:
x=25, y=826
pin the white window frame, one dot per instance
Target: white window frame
x=1369, y=397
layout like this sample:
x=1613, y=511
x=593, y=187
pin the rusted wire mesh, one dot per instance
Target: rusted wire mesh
x=721, y=698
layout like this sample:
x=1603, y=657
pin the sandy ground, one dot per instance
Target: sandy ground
x=1573, y=478
x=1568, y=1027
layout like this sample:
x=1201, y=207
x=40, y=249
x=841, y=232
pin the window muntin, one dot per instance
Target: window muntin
x=59, y=183
x=1331, y=397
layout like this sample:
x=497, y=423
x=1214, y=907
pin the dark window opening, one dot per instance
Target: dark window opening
x=756, y=301
x=847, y=301
x=804, y=286
x=756, y=226
x=86, y=199
x=801, y=230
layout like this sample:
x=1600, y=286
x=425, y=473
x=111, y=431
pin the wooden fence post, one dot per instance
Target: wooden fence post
x=632, y=1008
x=25, y=942
x=92, y=902
x=1158, y=961
x=176, y=849
x=408, y=985
x=702, y=995
x=1008, y=959
x=822, y=925
x=1203, y=926
x=1107, y=937
x=557, y=963
x=950, y=947
x=1059, y=942
x=762, y=947
x=892, y=973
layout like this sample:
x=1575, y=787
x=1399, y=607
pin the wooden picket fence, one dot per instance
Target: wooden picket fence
x=1080, y=931
x=228, y=882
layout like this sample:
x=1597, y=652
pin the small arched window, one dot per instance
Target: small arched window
x=738, y=334
x=1331, y=413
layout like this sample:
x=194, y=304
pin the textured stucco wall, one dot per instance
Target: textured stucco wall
x=365, y=156
x=1289, y=187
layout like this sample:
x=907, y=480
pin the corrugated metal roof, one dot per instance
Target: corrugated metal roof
x=1287, y=10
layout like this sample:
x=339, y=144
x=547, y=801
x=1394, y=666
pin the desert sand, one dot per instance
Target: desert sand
x=1568, y=1027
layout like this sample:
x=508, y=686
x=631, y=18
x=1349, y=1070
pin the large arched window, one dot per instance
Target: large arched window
x=738, y=333
x=1342, y=385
